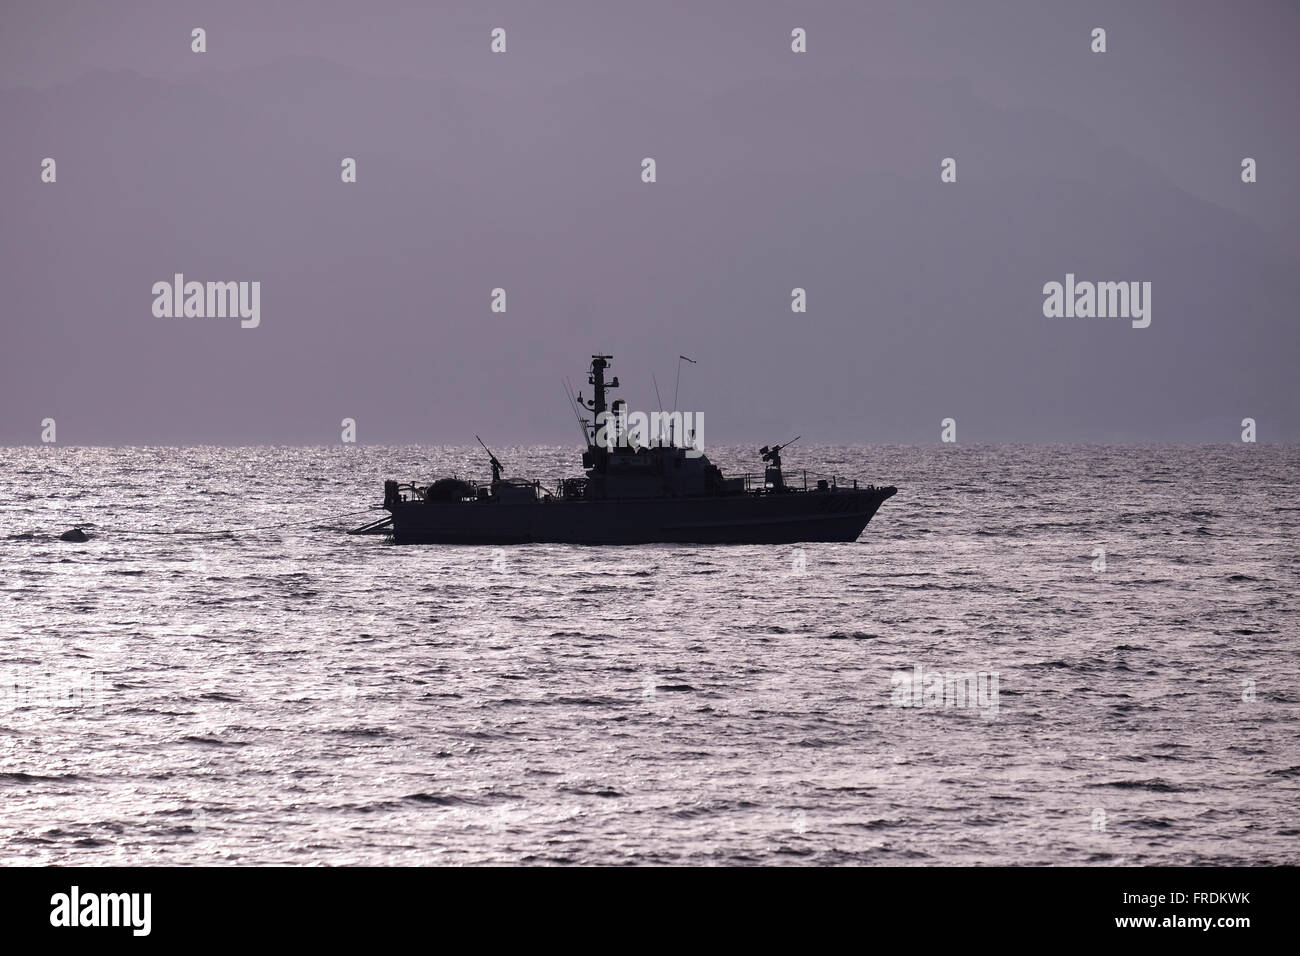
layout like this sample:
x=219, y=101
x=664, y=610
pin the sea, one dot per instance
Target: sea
x=1037, y=655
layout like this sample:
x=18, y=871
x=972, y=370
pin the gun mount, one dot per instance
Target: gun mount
x=492, y=459
x=772, y=455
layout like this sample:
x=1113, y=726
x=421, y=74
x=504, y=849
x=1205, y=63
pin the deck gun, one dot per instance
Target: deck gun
x=496, y=465
x=772, y=455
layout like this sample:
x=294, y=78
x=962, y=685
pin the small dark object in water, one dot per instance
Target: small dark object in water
x=76, y=534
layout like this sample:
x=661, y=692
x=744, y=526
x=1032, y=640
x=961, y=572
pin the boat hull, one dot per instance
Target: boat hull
x=832, y=515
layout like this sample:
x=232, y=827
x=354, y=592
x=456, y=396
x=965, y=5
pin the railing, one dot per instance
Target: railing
x=757, y=484
x=571, y=489
x=411, y=492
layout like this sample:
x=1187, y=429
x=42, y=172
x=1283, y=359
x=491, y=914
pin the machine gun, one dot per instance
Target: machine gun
x=496, y=465
x=772, y=455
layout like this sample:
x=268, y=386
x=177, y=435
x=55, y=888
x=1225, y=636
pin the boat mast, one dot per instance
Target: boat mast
x=595, y=453
x=597, y=380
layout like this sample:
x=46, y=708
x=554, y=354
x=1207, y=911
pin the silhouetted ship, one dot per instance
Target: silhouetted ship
x=630, y=494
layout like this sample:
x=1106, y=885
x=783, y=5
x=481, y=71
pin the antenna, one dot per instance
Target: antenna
x=660, y=400
x=678, y=384
x=586, y=439
x=679, y=376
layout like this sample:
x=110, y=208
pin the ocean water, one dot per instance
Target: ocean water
x=285, y=693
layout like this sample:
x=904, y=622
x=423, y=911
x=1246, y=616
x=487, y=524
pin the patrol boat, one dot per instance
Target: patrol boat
x=659, y=492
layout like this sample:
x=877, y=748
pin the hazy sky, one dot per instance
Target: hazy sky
x=522, y=170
